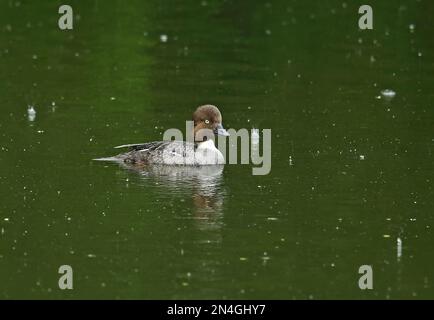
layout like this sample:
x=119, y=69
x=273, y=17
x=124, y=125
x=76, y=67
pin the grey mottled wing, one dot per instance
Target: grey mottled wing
x=160, y=152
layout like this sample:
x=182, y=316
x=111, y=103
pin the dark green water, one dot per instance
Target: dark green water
x=350, y=174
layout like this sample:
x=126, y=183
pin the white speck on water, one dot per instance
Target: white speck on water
x=255, y=136
x=6, y=219
x=388, y=93
x=419, y=54
x=272, y=219
x=362, y=157
x=291, y=163
x=267, y=32
x=31, y=113
x=91, y=255
x=112, y=98
x=411, y=27
x=164, y=38
x=412, y=219
x=386, y=235
x=398, y=248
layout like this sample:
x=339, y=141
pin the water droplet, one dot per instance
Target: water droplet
x=388, y=93
x=31, y=113
x=398, y=248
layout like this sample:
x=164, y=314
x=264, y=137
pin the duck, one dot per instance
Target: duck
x=202, y=151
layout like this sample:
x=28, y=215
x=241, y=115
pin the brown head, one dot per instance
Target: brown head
x=208, y=117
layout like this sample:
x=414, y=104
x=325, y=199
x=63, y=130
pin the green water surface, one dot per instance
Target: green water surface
x=352, y=172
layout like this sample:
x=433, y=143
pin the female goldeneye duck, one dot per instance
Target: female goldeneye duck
x=206, y=119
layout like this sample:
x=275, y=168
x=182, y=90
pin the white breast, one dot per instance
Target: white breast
x=207, y=154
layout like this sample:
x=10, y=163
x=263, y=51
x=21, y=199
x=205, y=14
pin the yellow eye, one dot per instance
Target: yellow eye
x=206, y=121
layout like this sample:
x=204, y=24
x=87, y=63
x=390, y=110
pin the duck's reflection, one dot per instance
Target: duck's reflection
x=202, y=184
x=202, y=192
